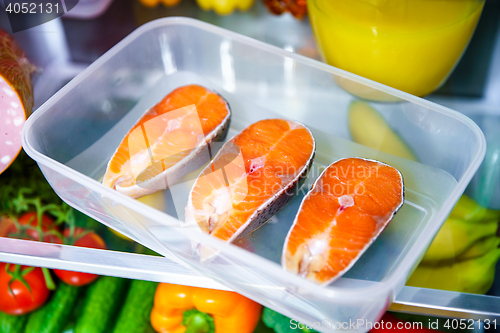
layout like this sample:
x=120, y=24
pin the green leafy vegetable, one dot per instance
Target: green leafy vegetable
x=25, y=189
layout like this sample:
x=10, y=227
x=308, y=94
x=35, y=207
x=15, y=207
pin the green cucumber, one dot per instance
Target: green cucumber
x=134, y=316
x=75, y=314
x=52, y=317
x=12, y=324
x=102, y=302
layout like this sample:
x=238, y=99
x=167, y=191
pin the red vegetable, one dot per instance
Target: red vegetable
x=83, y=238
x=298, y=8
x=28, y=228
x=22, y=289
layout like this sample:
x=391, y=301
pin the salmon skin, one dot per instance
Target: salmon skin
x=347, y=208
x=253, y=176
x=169, y=141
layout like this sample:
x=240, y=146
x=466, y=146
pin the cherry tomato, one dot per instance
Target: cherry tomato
x=20, y=299
x=29, y=228
x=89, y=239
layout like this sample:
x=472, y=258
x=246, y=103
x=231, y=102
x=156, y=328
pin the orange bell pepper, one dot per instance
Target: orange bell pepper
x=184, y=309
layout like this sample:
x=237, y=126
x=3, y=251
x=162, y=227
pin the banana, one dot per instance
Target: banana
x=469, y=210
x=155, y=200
x=474, y=276
x=468, y=223
x=480, y=248
x=455, y=237
x=369, y=128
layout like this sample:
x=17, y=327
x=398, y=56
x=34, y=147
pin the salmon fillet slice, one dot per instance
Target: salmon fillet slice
x=347, y=208
x=168, y=141
x=252, y=177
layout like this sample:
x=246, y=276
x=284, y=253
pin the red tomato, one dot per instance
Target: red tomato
x=90, y=239
x=29, y=228
x=19, y=299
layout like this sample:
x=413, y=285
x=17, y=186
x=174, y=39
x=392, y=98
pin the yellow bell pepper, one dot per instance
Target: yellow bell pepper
x=184, y=309
x=225, y=7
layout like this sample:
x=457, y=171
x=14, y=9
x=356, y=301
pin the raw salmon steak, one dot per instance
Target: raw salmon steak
x=253, y=176
x=346, y=209
x=170, y=140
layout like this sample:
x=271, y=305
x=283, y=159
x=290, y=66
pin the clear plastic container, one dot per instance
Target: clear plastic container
x=73, y=135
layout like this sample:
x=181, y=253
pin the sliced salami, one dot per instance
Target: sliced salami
x=11, y=124
x=16, y=98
